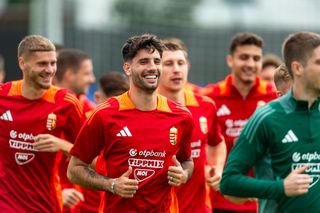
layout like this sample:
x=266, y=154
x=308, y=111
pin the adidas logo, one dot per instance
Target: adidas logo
x=290, y=137
x=223, y=110
x=125, y=132
x=6, y=116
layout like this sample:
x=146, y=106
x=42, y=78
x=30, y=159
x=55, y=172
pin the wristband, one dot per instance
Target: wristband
x=113, y=184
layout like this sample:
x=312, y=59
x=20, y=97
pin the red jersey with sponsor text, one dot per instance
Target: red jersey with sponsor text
x=144, y=140
x=193, y=195
x=29, y=180
x=233, y=113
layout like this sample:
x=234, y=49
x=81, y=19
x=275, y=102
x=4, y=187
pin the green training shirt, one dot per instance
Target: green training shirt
x=289, y=131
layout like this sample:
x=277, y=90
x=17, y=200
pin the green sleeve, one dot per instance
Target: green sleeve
x=250, y=146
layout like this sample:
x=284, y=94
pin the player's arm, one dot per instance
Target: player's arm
x=81, y=174
x=250, y=146
x=216, y=157
x=51, y=143
x=180, y=173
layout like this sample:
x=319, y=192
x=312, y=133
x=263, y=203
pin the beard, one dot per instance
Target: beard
x=38, y=82
x=140, y=82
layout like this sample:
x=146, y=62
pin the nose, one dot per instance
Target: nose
x=153, y=66
x=250, y=62
x=176, y=68
x=51, y=68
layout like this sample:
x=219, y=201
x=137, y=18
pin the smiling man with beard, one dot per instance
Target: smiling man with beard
x=127, y=126
x=34, y=116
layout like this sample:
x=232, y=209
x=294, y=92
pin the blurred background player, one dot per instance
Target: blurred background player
x=188, y=85
x=75, y=73
x=111, y=84
x=35, y=118
x=270, y=62
x=237, y=97
x=194, y=195
x=2, y=70
x=282, y=80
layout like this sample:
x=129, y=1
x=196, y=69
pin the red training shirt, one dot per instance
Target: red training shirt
x=193, y=195
x=144, y=140
x=233, y=113
x=29, y=180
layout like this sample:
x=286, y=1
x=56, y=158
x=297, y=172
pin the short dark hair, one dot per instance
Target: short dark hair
x=281, y=75
x=174, y=44
x=69, y=58
x=299, y=47
x=34, y=43
x=271, y=59
x=245, y=38
x=113, y=83
x=136, y=43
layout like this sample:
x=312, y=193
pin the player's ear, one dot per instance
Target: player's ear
x=229, y=60
x=21, y=62
x=127, y=68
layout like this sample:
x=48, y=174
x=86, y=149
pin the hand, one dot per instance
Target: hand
x=213, y=177
x=124, y=186
x=297, y=183
x=71, y=196
x=239, y=200
x=47, y=143
x=176, y=174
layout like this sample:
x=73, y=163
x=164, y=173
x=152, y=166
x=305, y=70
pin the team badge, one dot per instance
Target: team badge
x=203, y=124
x=173, y=135
x=51, y=121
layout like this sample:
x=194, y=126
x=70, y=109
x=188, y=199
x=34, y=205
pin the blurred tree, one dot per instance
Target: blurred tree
x=19, y=2
x=169, y=12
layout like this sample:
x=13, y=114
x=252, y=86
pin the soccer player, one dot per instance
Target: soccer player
x=237, y=97
x=282, y=80
x=74, y=72
x=270, y=62
x=288, y=128
x=33, y=116
x=193, y=196
x=111, y=84
x=145, y=139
